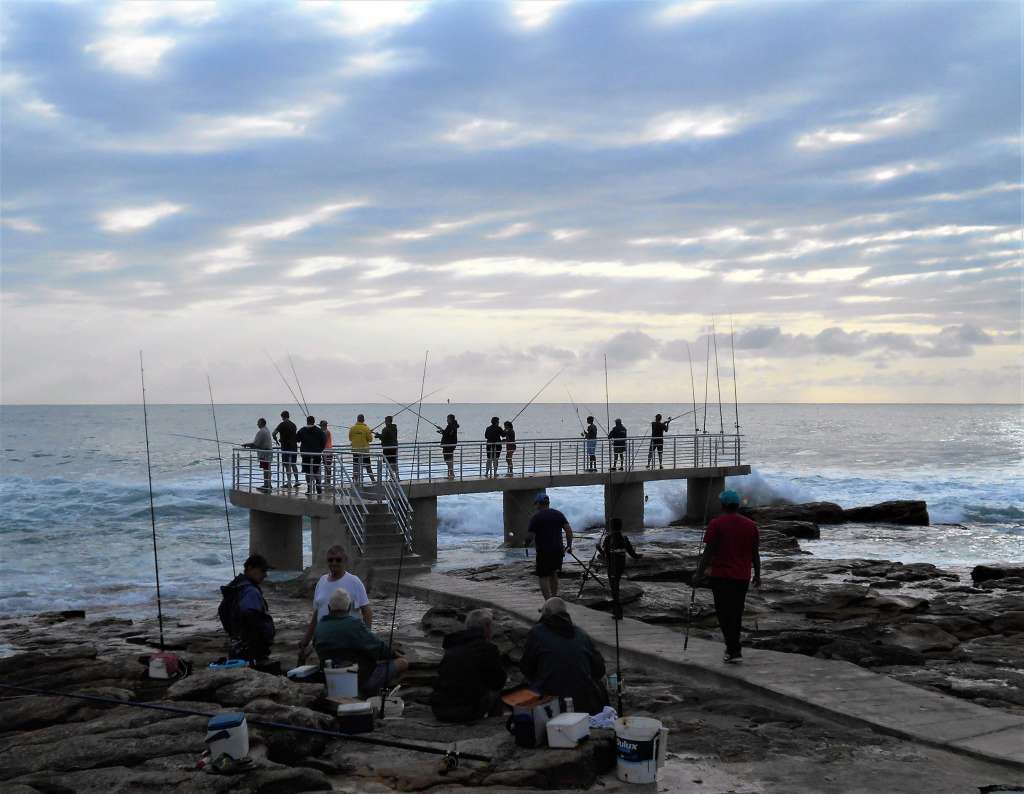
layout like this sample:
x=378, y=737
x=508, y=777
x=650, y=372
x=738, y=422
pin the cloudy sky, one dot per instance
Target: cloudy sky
x=517, y=187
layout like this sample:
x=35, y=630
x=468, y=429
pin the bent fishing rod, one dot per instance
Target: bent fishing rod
x=295, y=397
x=359, y=739
x=152, y=506
x=205, y=438
x=408, y=406
x=223, y=487
x=298, y=383
x=539, y=392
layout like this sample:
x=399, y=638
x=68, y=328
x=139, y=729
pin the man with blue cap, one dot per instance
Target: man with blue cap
x=731, y=549
x=546, y=528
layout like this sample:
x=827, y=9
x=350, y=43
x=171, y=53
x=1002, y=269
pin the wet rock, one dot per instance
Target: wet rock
x=922, y=638
x=984, y=573
x=996, y=649
x=38, y=711
x=806, y=530
x=60, y=617
x=1015, y=583
x=814, y=512
x=905, y=512
x=869, y=654
x=960, y=626
x=1010, y=623
x=284, y=746
x=597, y=597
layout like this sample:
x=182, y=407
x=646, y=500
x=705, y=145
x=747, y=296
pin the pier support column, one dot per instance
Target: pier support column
x=329, y=532
x=625, y=501
x=518, y=509
x=702, y=498
x=424, y=526
x=278, y=538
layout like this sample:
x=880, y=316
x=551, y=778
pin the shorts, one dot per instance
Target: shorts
x=591, y=447
x=288, y=457
x=493, y=450
x=265, y=465
x=511, y=448
x=548, y=562
x=657, y=443
x=382, y=673
x=449, y=453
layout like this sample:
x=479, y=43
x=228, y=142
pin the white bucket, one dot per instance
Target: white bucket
x=641, y=744
x=342, y=682
x=228, y=733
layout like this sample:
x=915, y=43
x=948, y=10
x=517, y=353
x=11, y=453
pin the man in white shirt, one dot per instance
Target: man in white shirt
x=337, y=578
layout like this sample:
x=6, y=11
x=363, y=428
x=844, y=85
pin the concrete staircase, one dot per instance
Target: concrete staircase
x=383, y=552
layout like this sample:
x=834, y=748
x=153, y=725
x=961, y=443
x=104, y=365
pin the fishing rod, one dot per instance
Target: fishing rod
x=410, y=408
x=707, y=374
x=223, y=487
x=692, y=608
x=359, y=739
x=299, y=384
x=286, y=383
x=616, y=606
x=735, y=392
x=718, y=379
x=693, y=389
x=152, y=507
x=542, y=388
x=577, y=409
x=423, y=384
x=204, y=438
x=407, y=407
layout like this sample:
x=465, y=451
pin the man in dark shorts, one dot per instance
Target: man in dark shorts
x=618, y=435
x=449, y=440
x=590, y=434
x=312, y=439
x=286, y=434
x=493, y=434
x=731, y=549
x=546, y=528
x=388, y=436
x=658, y=429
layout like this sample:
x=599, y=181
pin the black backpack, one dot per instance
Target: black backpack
x=228, y=611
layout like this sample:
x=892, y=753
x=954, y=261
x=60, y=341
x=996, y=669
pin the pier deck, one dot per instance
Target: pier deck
x=822, y=687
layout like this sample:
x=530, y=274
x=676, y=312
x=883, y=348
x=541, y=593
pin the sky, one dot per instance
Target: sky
x=831, y=192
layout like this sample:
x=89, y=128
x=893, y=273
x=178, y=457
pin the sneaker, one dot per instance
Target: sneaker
x=732, y=658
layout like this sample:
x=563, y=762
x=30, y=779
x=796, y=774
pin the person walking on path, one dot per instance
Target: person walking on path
x=336, y=578
x=388, y=436
x=590, y=434
x=286, y=434
x=545, y=529
x=658, y=429
x=262, y=441
x=493, y=435
x=510, y=446
x=312, y=440
x=614, y=548
x=618, y=436
x=731, y=549
x=449, y=440
x=328, y=445
x=360, y=437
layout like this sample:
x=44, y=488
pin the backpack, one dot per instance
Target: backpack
x=228, y=611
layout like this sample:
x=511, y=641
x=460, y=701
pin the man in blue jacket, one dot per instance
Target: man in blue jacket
x=244, y=613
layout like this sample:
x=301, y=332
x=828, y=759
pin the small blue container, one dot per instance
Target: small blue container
x=230, y=664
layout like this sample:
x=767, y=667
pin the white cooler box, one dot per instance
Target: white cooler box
x=228, y=733
x=569, y=729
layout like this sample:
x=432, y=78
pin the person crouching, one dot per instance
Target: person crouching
x=471, y=676
x=344, y=639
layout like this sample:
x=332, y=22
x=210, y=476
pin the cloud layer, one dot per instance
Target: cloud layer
x=513, y=182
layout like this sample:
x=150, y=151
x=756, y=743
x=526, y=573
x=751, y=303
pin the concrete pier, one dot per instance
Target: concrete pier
x=424, y=526
x=518, y=508
x=625, y=501
x=278, y=537
x=702, y=498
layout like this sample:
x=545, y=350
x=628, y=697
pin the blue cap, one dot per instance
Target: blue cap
x=729, y=497
x=541, y=498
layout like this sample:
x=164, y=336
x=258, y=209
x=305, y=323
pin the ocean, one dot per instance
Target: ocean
x=75, y=531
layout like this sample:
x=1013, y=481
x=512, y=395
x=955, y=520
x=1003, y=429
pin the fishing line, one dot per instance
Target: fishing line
x=408, y=406
x=539, y=391
x=204, y=438
x=423, y=384
x=359, y=739
x=152, y=507
x=299, y=384
x=693, y=389
x=223, y=487
x=718, y=379
x=286, y=383
x=707, y=375
x=735, y=392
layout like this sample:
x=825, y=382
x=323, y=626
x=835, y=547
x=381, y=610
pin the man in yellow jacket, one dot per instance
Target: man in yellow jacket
x=360, y=437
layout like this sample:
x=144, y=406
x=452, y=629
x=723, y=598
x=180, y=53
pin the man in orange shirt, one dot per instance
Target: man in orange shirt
x=731, y=550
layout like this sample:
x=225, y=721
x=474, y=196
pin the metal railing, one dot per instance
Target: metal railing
x=430, y=462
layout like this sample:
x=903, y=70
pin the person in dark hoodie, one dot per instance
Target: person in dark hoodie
x=388, y=436
x=614, y=548
x=618, y=436
x=471, y=676
x=244, y=613
x=449, y=440
x=493, y=434
x=312, y=439
x=561, y=659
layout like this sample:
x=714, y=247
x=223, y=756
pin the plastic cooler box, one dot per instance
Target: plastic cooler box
x=228, y=733
x=569, y=729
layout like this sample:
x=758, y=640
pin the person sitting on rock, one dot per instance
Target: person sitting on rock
x=344, y=639
x=471, y=676
x=561, y=659
x=244, y=613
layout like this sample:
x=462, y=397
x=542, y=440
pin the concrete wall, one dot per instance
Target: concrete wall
x=517, y=509
x=424, y=527
x=702, y=498
x=278, y=538
x=625, y=502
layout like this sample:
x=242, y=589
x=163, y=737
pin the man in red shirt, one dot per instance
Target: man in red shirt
x=730, y=550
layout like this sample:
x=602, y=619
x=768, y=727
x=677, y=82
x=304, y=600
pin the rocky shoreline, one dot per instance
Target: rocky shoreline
x=915, y=622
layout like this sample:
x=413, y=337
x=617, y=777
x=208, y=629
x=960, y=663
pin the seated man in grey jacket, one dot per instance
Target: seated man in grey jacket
x=561, y=659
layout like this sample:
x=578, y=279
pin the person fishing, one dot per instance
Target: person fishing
x=731, y=550
x=545, y=529
x=388, y=436
x=328, y=458
x=618, y=435
x=590, y=434
x=337, y=578
x=286, y=434
x=613, y=549
x=262, y=441
x=493, y=434
x=658, y=429
x=244, y=614
x=510, y=446
x=471, y=675
x=360, y=437
x=312, y=440
x=449, y=440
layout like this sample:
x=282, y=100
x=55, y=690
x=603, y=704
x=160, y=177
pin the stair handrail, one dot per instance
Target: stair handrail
x=352, y=506
x=397, y=500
